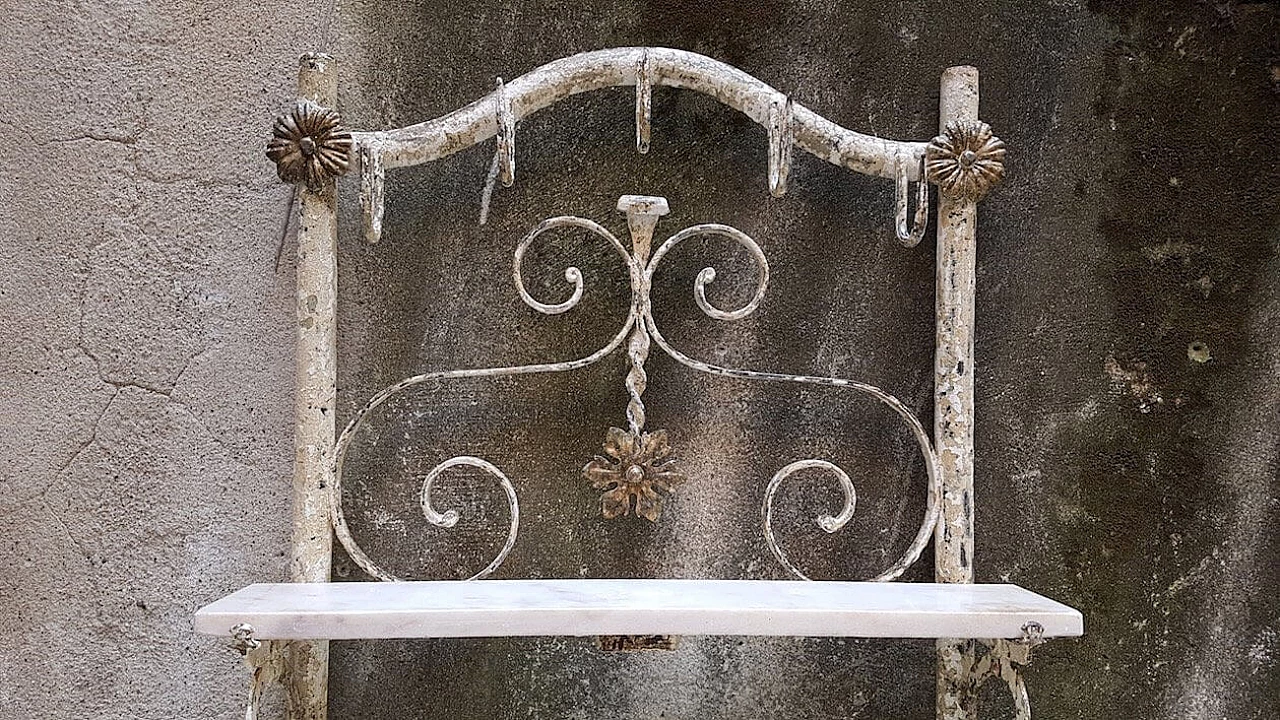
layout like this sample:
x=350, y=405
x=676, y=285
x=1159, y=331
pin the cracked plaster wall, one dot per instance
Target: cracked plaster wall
x=147, y=365
x=146, y=370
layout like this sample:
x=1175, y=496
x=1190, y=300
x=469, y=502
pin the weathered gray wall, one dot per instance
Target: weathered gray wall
x=147, y=371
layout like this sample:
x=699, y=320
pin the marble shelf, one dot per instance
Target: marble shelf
x=498, y=608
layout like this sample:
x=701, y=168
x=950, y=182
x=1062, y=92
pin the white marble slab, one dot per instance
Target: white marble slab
x=495, y=608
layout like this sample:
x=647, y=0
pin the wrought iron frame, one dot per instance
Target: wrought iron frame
x=629, y=447
x=311, y=148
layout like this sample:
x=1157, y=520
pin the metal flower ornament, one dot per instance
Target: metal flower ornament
x=965, y=161
x=309, y=144
x=636, y=467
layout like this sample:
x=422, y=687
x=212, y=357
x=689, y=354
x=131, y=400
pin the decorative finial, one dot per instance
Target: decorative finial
x=309, y=145
x=965, y=161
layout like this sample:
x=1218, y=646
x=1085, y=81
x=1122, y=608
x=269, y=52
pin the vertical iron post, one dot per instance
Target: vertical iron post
x=953, y=397
x=307, y=673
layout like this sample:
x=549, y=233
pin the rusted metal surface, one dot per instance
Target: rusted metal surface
x=309, y=145
x=629, y=643
x=953, y=397
x=635, y=471
x=307, y=676
x=966, y=160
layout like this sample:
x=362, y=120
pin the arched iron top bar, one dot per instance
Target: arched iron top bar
x=619, y=67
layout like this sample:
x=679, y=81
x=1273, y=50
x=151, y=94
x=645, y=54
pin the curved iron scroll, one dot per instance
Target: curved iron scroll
x=637, y=473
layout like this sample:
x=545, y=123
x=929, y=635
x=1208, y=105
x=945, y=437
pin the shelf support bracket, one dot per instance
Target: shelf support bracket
x=1005, y=659
x=266, y=658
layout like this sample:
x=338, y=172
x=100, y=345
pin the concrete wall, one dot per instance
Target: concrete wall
x=147, y=369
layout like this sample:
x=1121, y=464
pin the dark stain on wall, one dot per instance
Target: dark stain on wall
x=1127, y=393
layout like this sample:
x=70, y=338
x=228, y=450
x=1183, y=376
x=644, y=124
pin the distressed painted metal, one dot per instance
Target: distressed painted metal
x=372, y=186
x=307, y=675
x=910, y=234
x=585, y=72
x=266, y=660
x=965, y=160
x=1005, y=659
x=506, y=121
x=644, y=102
x=781, y=140
x=953, y=396
x=635, y=471
x=789, y=123
x=636, y=467
x=829, y=523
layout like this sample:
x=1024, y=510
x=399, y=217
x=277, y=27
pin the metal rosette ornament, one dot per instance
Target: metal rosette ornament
x=965, y=161
x=636, y=467
x=309, y=145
